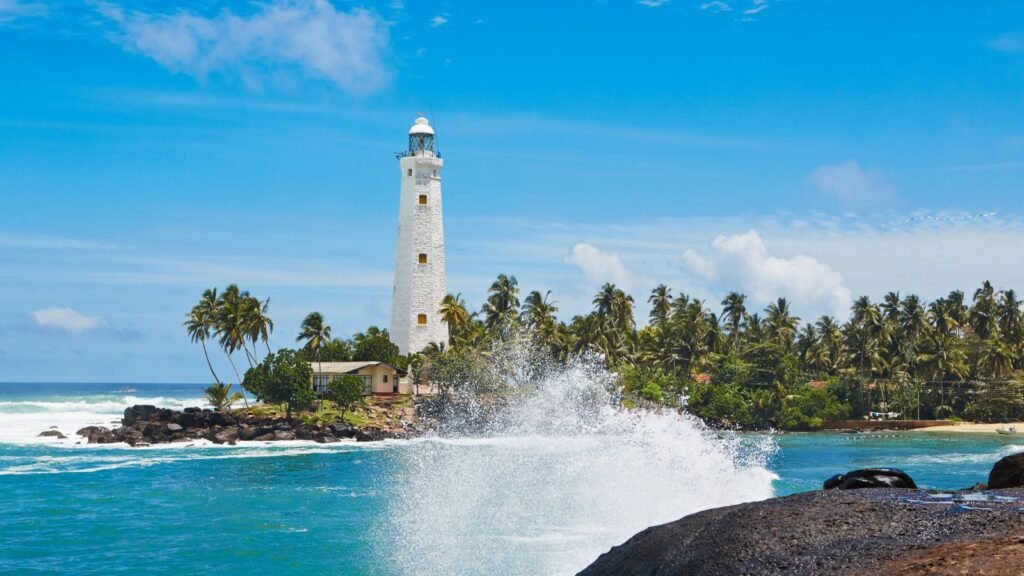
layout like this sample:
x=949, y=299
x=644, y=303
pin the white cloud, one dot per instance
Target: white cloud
x=742, y=261
x=598, y=266
x=653, y=3
x=66, y=319
x=11, y=10
x=345, y=48
x=758, y=6
x=1012, y=42
x=438, y=21
x=716, y=6
x=850, y=184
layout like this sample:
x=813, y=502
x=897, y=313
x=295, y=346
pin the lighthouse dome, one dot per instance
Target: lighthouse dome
x=422, y=126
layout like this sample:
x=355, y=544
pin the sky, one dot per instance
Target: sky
x=812, y=149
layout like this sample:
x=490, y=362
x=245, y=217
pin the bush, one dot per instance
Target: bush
x=283, y=378
x=346, y=391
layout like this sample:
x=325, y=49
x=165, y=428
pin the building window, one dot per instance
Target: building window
x=423, y=258
x=385, y=378
x=423, y=199
x=435, y=173
x=409, y=173
x=421, y=319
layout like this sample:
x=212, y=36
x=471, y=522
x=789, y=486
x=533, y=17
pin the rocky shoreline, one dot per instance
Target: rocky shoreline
x=889, y=528
x=145, y=425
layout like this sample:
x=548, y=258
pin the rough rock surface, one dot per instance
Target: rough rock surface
x=143, y=425
x=829, y=532
x=1007, y=473
x=870, y=478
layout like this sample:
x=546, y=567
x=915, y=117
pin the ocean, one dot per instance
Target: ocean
x=547, y=495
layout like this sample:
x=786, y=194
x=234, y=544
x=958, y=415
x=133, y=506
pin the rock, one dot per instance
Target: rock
x=870, y=478
x=268, y=437
x=186, y=420
x=173, y=428
x=97, y=435
x=165, y=415
x=52, y=433
x=226, y=436
x=1007, y=473
x=221, y=419
x=820, y=533
x=130, y=416
x=283, y=435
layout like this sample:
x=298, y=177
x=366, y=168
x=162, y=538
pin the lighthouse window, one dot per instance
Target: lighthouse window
x=423, y=199
x=409, y=172
x=435, y=173
x=421, y=319
x=423, y=258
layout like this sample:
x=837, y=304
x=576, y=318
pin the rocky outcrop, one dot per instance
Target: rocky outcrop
x=870, y=478
x=143, y=425
x=1007, y=473
x=52, y=433
x=831, y=532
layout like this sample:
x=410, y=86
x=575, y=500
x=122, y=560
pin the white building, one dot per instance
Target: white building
x=420, y=282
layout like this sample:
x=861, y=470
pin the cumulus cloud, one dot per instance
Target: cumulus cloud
x=598, y=266
x=66, y=320
x=742, y=261
x=438, y=21
x=314, y=38
x=1012, y=42
x=850, y=184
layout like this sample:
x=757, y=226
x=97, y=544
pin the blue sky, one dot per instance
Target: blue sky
x=813, y=149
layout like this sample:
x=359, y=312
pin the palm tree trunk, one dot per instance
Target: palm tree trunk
x=235, y=368
x=215, y=378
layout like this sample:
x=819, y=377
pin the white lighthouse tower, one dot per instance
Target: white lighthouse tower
x=420, y=282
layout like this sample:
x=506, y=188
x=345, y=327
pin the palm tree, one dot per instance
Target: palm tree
x=539, y=310
x=661, y=304
x=199, y=324
x=259, y=326
x=983, y=314
x=996, y=359
x=502, y=306
x=231, y=322
x=454, y=314
x=316, y=336
x=734, y=311
x=221, y=397
x=780, y=324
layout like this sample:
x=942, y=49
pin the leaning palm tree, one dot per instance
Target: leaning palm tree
x=199, y=324
x=232, y=308
x=502, y=306
x=259, y=326
x=454, y=314
x=539, y=309
x=316, y=336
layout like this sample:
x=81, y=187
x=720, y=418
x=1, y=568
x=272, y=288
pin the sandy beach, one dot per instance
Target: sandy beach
x=974, y=427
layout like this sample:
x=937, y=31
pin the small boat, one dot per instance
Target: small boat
x=1010, y=430
x=126, y=390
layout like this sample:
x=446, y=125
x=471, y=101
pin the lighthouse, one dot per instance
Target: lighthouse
x=420, y=282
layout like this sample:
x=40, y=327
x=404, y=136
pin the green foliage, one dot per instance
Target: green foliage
x=809, y=408
x=375, y=344
x=346, y=391
x=282, y=378
x=221, y=397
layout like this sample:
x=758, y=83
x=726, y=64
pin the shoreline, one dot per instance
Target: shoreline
x=975, y=428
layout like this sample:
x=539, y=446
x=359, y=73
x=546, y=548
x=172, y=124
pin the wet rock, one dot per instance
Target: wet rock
x=52, y=433
x=186, y=419
x=221, y=419
x=268, y=437
x=1007, y=473
x=283, y=435
x=870, y=478
x=97, y=435
x=226, y=436
x=173, y=428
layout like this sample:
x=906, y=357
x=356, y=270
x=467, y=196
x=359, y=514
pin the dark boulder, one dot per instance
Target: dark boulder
x=53, y=433
x=268, y=437
x=173, y=428
x=283, y=435
x=871, y=478
x=186, y=419
x=226, y=436
x=165, y=415
x=97, y=435
x=1007, y=473
x=221, y=419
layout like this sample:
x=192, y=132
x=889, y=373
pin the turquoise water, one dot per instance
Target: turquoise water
x=520, y=504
